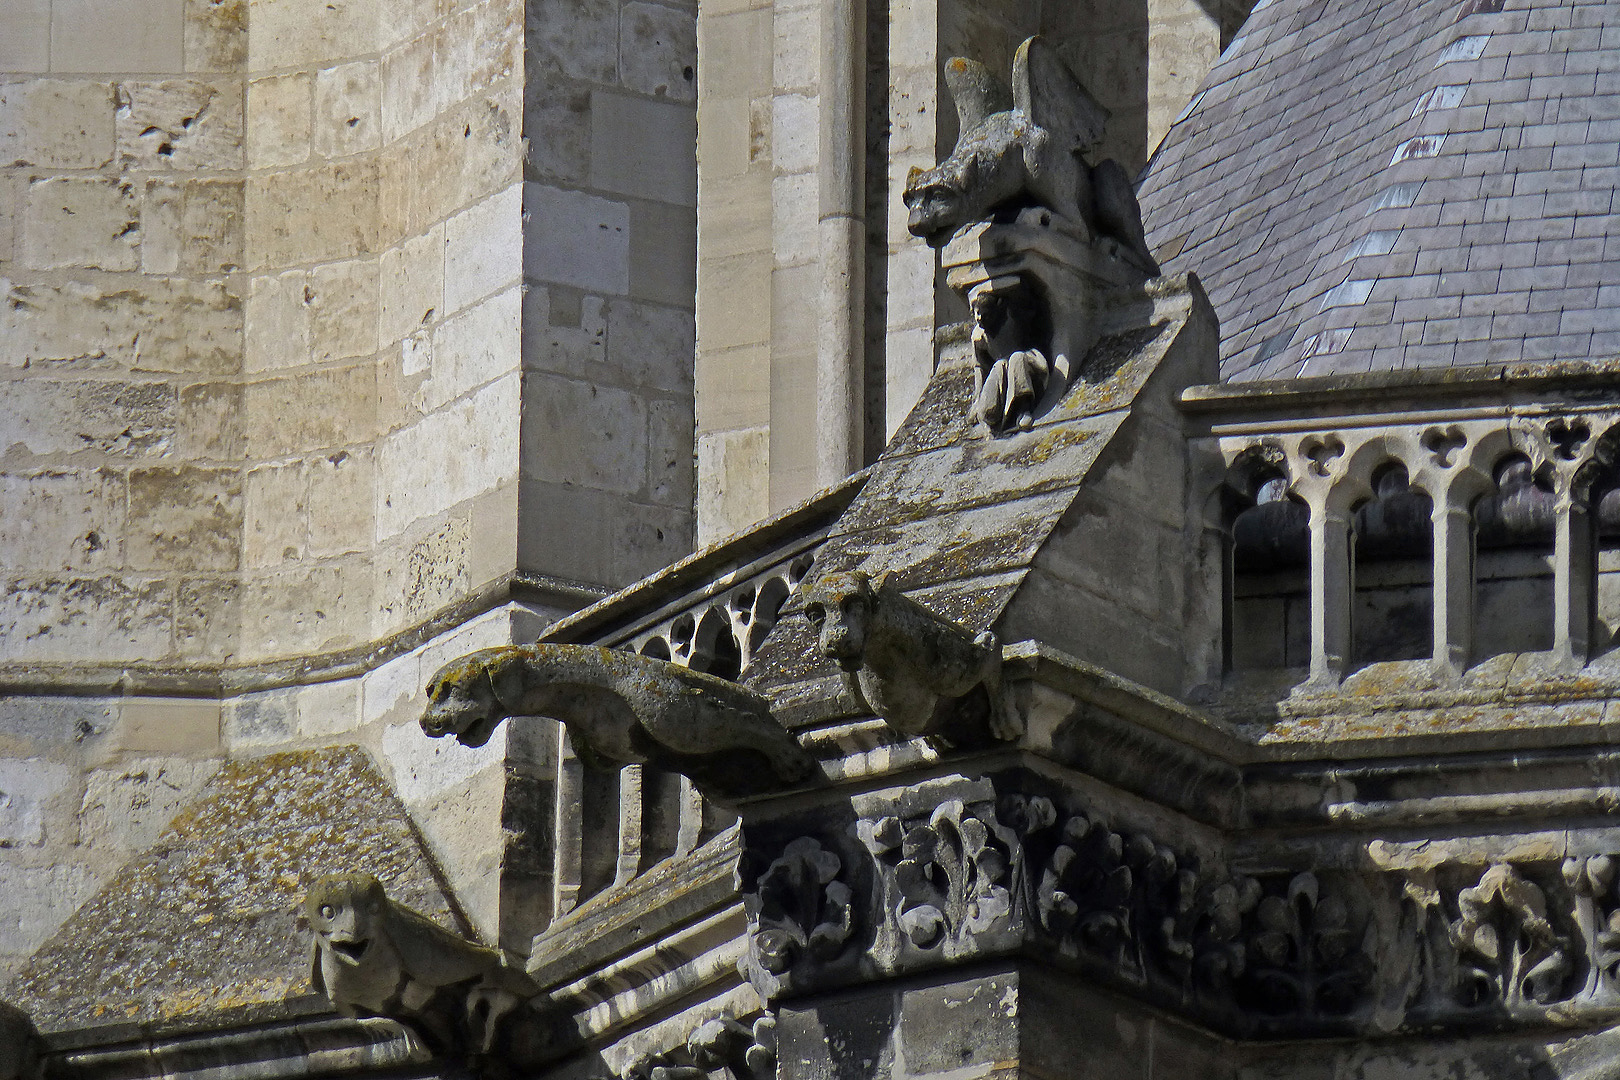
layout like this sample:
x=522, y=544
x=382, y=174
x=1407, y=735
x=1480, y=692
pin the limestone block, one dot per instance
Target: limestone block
x=295, y=33
x=795, y=239
x=737, y=55
x=409, y=90
x=796, y=51
x=315, y=410
x=733, y=388
x=82, y=221
x=342, y=298
x=275, y=502
x=117, y=35
x=558, y=120
x=401, y=19
x=460, y=451
x=209, y=421
x=56, y=123
x=663, y=253
x=342, y=499
x=348, y=109
x=184, y=518
x=31, y=793
x=128, y=806
x=216, y=35
x=737, y=301
x=111, y=417
x=312, y=215
x=671, y=474
x=733, y=492
x=478, y=48
x=261, y=719
x=25, y=35
x=589, y=535
x=394, y=686
x=651, y=345
x=586, y=434
x=111, y=618
x=658, y=51
x=8, y=219
x=206, y=615
x=563, y=331
x=578, y=39
x=412, y=282
x=421, y=577
x=795, y=133
x=328, y=708
x=422, y=768
x=277, y=322
x=183, y=124
x=644, y=148
x=144, y=324
x=483, y=249
x=576, y=239
x=470, y=153
x=279, y=120
x=474, y=348
x=492, y=521
x=61, y=519
x=192, y=226
x=38, y=900
x=304, y=609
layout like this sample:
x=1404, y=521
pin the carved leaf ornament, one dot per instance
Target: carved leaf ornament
x=1508, y=950
x=951, y=877
x=799, y=907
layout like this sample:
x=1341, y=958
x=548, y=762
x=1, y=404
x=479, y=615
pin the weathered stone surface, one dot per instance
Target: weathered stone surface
x=56, y=123
x=81, y=221
x=204, y=920
x=180, y=124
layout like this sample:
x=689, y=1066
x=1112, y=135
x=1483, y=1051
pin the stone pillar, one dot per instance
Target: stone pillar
x=1332, y=589
x=1453, y=585
x=1574, y=579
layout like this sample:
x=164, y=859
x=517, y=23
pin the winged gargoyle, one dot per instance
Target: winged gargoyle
x=622, y=709
x=1025, y=147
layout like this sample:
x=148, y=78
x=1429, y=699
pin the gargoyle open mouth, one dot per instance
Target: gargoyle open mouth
x=352, y=950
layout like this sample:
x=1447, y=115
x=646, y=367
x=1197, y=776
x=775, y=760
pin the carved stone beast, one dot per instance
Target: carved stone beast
x=1025, y=147
x=621, y=709
x=909, y=664
x=374, y=957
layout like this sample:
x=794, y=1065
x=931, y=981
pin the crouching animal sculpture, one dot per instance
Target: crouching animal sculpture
x=909, y=664
x=622, y=709
x=374, y=957
x=1025, y=147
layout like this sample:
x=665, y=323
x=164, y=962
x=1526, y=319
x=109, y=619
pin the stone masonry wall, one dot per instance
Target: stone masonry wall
x=261, y=274
x=260, y=327
x=610, y=207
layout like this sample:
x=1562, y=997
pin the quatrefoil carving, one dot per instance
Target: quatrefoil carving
x=1322, y=451
x=1444, y=443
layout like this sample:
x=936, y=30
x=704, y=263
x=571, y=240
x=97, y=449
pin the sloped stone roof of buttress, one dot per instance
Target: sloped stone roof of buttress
x=1376, y=185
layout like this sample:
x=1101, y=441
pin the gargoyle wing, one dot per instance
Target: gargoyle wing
x=1046, y=91
x=977, y=93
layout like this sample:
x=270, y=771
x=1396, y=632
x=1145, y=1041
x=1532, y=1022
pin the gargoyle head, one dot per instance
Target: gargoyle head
x=470, y=696
x=839, y=607
x=936, y=200
x=344, y=911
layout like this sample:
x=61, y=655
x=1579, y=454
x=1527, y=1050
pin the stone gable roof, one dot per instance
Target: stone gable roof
x=1391, y=184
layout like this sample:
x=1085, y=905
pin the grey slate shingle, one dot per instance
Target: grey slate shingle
x=1491, y=248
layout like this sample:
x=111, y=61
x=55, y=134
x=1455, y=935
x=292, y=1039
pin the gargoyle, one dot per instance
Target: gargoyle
x=19, y=1045
x=1025, y=147
x=909, y=664
x=374, y=957
x=622, y=709
x=1011, y=370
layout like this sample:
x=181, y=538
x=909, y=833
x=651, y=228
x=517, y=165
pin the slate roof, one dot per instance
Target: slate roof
x=1374, y=185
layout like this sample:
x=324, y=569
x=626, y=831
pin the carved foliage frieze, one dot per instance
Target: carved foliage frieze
x=1252, y=950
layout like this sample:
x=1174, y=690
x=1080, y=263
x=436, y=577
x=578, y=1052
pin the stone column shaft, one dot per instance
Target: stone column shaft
x=1453, y=586
x=1332, y=590
x=1574, y=581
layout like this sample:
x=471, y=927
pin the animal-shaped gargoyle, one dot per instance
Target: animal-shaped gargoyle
x=623, y=709
x=1025, y=147
x=909, y=664
x=374, y=957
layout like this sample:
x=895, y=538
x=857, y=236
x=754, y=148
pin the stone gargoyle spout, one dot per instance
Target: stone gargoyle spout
x=372, y=956
x=1025, y=148
x=623, y=709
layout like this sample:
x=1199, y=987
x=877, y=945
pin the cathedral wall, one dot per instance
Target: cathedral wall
x=609, y=262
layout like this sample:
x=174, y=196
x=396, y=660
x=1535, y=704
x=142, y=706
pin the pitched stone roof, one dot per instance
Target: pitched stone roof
x=205, y=922
x=1390, y=184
